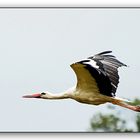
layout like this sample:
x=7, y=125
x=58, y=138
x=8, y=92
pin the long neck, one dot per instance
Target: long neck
x=49, y=95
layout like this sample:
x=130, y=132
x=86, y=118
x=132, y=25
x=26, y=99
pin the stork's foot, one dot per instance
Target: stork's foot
x=137, y=108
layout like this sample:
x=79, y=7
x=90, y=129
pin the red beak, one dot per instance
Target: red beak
x=37, y=95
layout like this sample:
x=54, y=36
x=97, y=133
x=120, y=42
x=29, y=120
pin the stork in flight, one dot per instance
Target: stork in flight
x=97, y=82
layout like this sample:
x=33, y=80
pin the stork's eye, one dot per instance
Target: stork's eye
x=43, y=93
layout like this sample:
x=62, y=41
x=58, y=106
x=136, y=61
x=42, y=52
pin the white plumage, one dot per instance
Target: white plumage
x=97, y=82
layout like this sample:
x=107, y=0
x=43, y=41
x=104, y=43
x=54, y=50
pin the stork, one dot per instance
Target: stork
x=97, y=82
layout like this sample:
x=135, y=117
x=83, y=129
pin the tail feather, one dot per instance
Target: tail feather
x=122, y=99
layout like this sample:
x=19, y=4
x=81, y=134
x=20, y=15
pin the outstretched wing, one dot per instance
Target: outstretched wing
x=98, y=73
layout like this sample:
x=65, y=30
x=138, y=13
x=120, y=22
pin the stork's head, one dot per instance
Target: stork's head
x=36, y=95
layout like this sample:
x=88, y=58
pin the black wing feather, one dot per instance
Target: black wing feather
x=108, y=65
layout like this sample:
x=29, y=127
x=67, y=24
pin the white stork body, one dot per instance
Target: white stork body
x=97, y=81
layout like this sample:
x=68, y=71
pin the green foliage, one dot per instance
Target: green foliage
x=138, y=123
x=108, y=123
x=113, y=123
x=136, y=101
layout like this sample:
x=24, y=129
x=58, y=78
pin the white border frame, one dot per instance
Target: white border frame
x=69, y=3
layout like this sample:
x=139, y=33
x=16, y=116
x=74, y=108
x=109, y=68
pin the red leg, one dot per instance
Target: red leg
x=122, y=104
